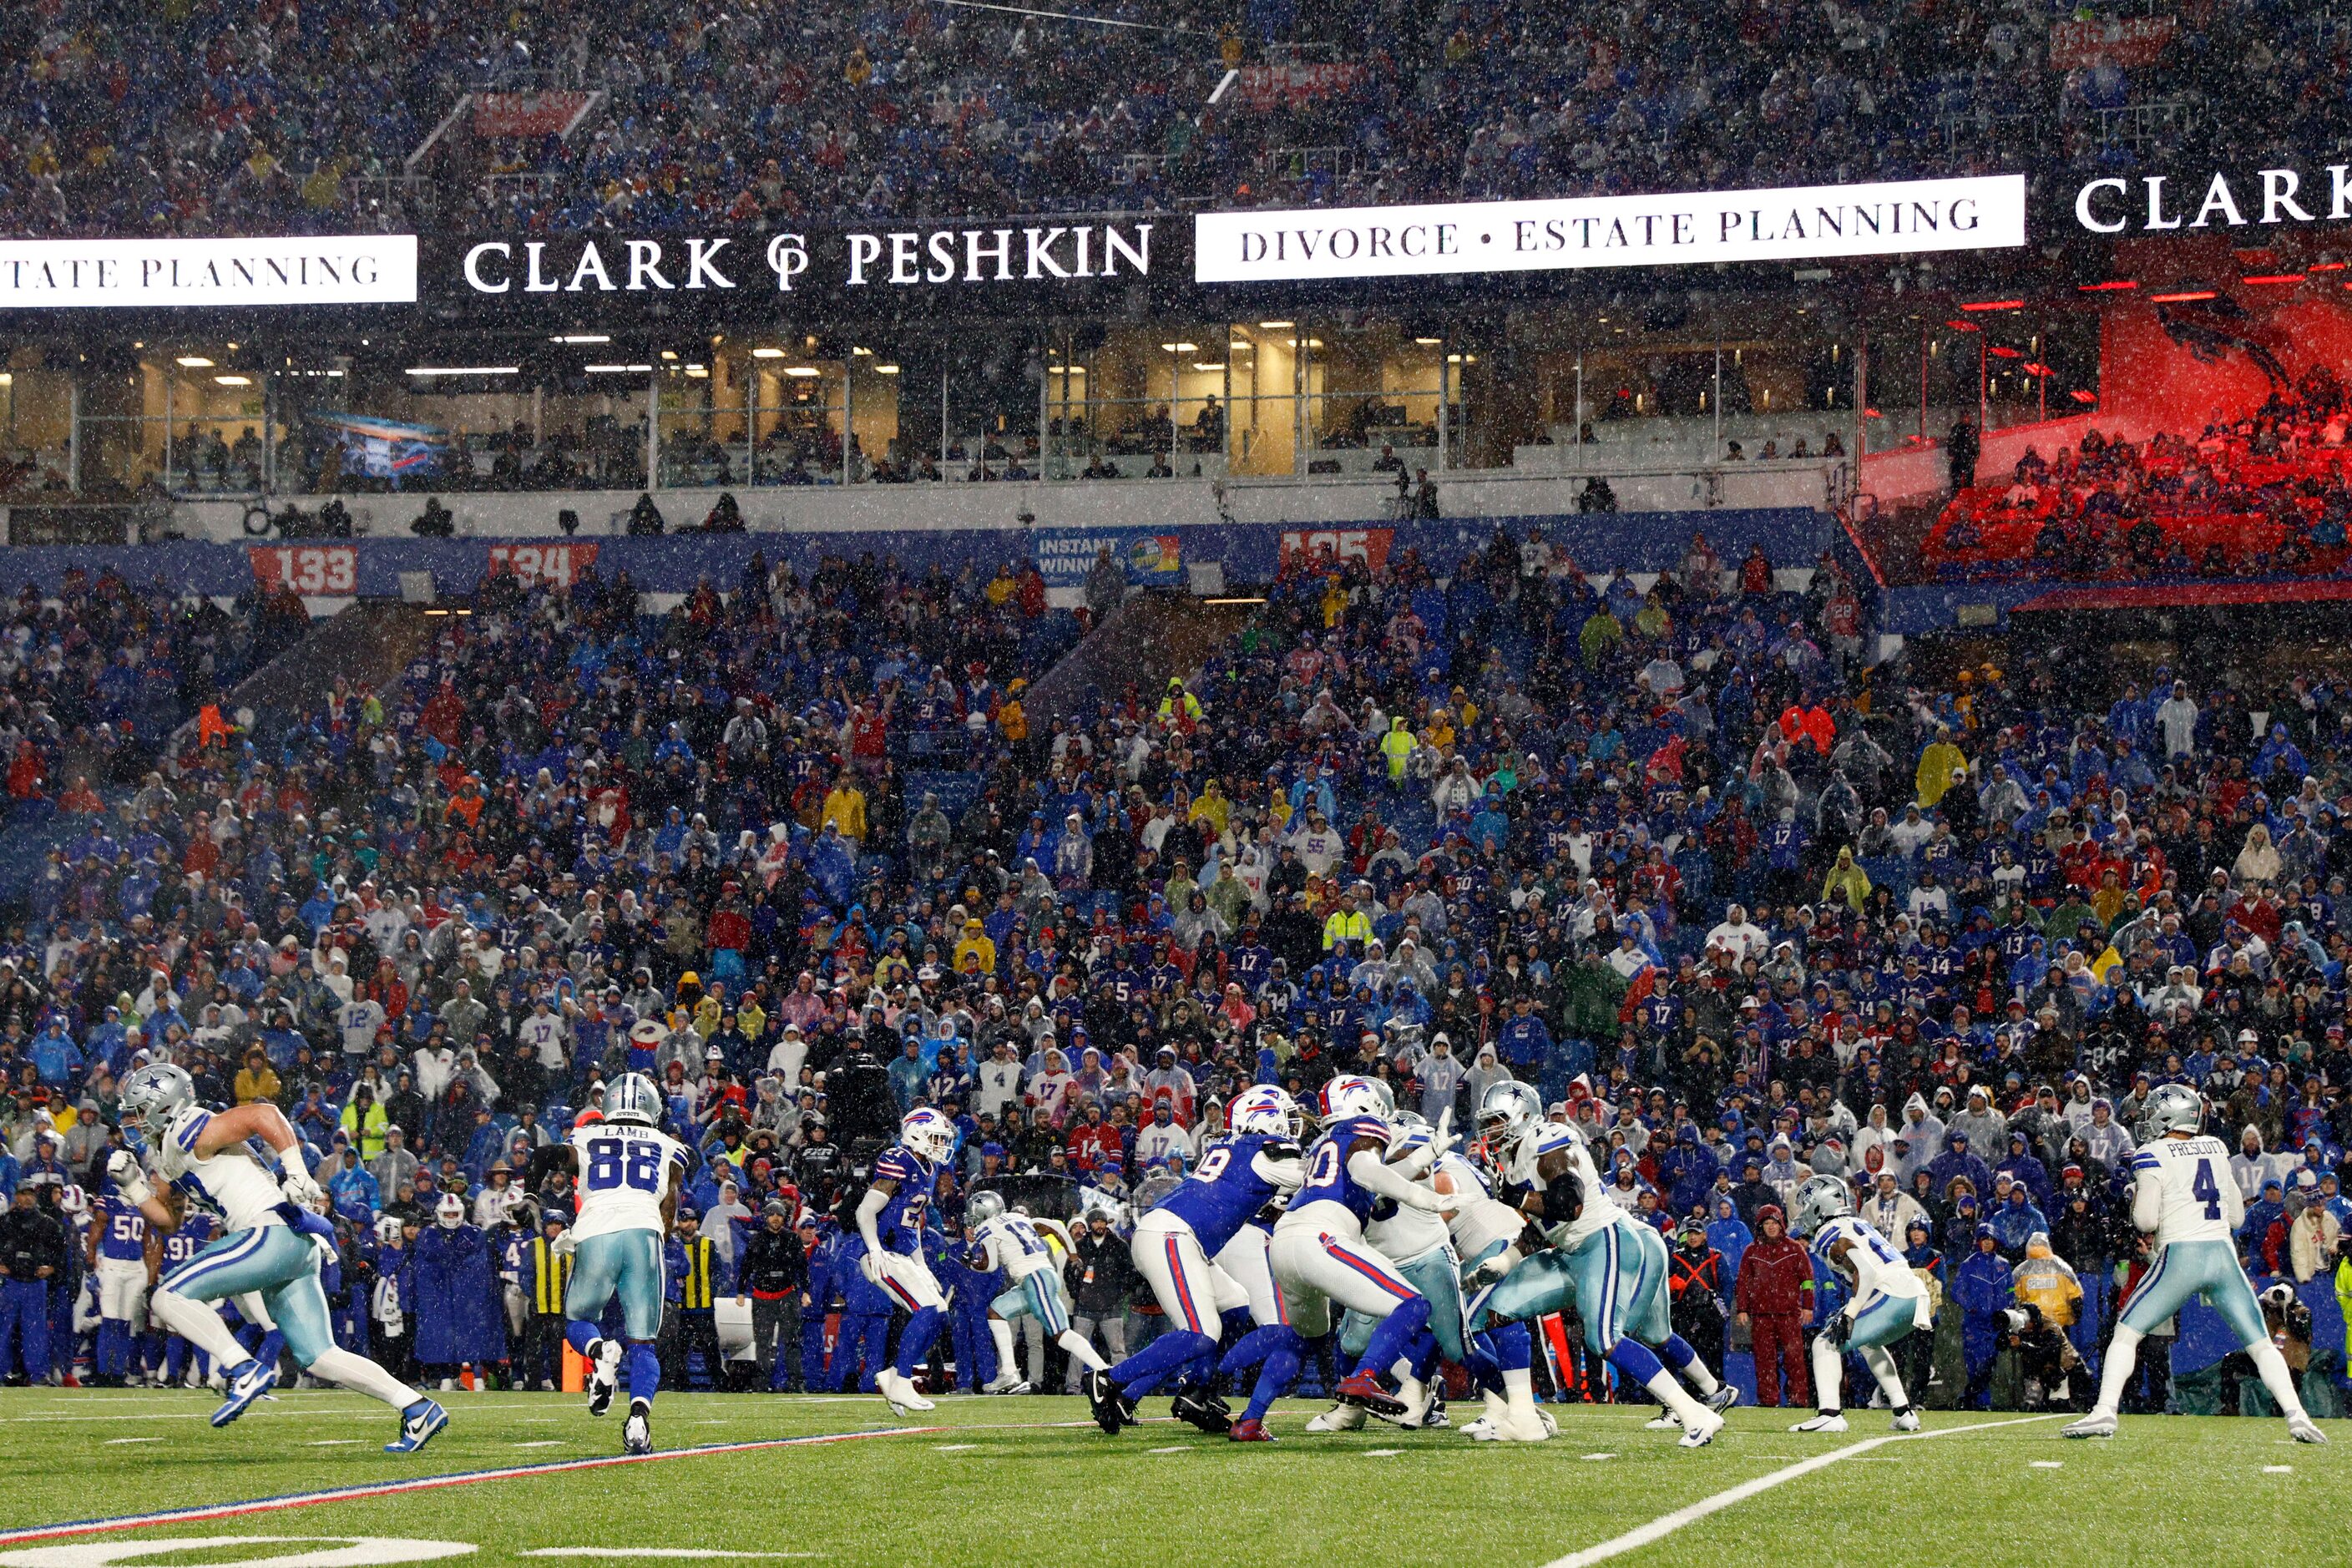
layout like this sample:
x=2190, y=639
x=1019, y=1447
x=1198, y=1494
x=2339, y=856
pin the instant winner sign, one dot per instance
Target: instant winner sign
x=1065, y=555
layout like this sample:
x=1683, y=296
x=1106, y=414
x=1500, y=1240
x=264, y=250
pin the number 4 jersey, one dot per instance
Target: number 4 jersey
x=623, y=1171
x=2201, y=1197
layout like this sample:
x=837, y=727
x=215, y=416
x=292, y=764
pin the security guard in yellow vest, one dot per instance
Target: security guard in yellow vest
x=692, y=1323
x=546, y=1273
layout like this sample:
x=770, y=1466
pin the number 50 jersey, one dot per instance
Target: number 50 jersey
x=624, y=1171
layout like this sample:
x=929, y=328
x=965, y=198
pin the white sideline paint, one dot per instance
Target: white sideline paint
x=1660, y=1528
x=695, y=1552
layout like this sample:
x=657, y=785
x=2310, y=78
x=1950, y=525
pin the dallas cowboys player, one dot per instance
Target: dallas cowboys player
x=1888, y=1302
x=1591, y=1252
x=2184, y=1195
x=271, y=1245
x=890, y=1220
x=1202, y=1256
x=998, y=1237
x=1321, y=1255
x=628, y=1174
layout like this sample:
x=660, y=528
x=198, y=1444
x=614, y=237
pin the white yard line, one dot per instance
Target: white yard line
x=697, y=1554
x=1660, y=1528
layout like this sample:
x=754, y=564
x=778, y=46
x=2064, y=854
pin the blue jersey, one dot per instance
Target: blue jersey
x=1224, y=1191
x=1327, y=1167
x=125, y=1235
x=196, y=1234
x=900, y=1223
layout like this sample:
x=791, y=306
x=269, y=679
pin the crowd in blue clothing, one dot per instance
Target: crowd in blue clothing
x=1742, y=902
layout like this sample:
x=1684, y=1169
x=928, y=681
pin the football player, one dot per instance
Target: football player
x=1200, y=1252
x=628, y=1174
x=2184, y=1195
x=1888, y=1302
x=272, y=1243
x=1005, y=1238
x=122, y=1263
x=1586, y=1250
x=890, y=1220
x=1320, y=1253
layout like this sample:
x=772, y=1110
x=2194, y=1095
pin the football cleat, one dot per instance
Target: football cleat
x=1699, y=1436
x=1827, y=1421
x=901, y=1391
x=1013, y=1384
x=1192, y=1409
x=2097, y=1424
x=1249, y=1431
x=1437, y=1419
x=1112, y=1409
x=1338, y=1418
x=637, y=1433
x=1664, y=1421
x=418, y=1424
x=604, y=1376
x=2304, y=1429
x=1364, y=1388
x=246, y=1385
x=1906, y=1420
x=1479, y=1431
x=1724, y=1397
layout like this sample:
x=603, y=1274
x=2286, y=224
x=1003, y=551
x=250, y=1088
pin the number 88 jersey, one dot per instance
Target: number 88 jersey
x=624, y=1171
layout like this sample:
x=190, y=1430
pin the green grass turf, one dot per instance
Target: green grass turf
x=1012, y=1486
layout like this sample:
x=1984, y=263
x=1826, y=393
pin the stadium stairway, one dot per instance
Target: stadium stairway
x=1149, y=638
x=369, y=643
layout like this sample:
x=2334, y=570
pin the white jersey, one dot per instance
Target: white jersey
x=2200, y=1200
x=230, y=1184
x=543, y=1036
x=1011, y=1242
x=1871, y=1260
x=1600, y=1211
x=1409, y=1233
x=625, y=1169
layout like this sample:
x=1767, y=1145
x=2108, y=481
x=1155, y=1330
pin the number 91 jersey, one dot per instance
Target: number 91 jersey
x=624, y=1171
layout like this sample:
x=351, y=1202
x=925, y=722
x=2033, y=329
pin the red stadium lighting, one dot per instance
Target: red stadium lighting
x=2326, y=266
x=2036, y=367
x=2180, y=299
x=1964, y=326
x=1995, y=305
x=2079, y=395
x=2000, y=351
x=2269, y=278
x=2110, y=286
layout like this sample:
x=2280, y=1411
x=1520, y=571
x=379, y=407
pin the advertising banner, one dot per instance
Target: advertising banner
x=1464, y=238
x=305, y=270
x=2137, y=41
x=1065, y=555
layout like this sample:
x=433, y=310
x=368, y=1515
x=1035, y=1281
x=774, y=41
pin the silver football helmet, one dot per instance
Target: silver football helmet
x=633, y=1098
x=1819, y=1200
x=1507, y=1114
x=2173, y=1108
x=983, y=1206
x=155, y=1096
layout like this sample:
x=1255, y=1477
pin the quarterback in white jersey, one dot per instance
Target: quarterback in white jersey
x=1006, y=1239
x=270, y=1246
x=1888, y=1302
x=2184, y=1196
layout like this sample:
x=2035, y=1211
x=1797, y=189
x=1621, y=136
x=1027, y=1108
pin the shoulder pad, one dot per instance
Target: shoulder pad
x=187, y=1127
x=1280, y=1149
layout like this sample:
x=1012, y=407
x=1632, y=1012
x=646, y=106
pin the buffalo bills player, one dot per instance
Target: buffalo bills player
x=1320, y=1253
x=1181, y=1245
x=890, y=1220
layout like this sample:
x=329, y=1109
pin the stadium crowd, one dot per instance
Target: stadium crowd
x=211, y=118
x=1744, y=905
x=2260, y=494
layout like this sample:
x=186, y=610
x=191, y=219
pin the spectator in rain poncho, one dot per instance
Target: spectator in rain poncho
x=458, y=1316
x=2024, y=1168
x=2015, y=1216
x=1729, y=1234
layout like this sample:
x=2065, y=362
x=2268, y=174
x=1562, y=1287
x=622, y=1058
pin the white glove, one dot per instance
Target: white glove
x=563, y=1246
x=871, y=1266
x=122, y=1167
x=1428, y=1201
x=300, y=1189
x=1491, y=1269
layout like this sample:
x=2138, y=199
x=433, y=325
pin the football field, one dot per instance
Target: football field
x=532, y=1478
